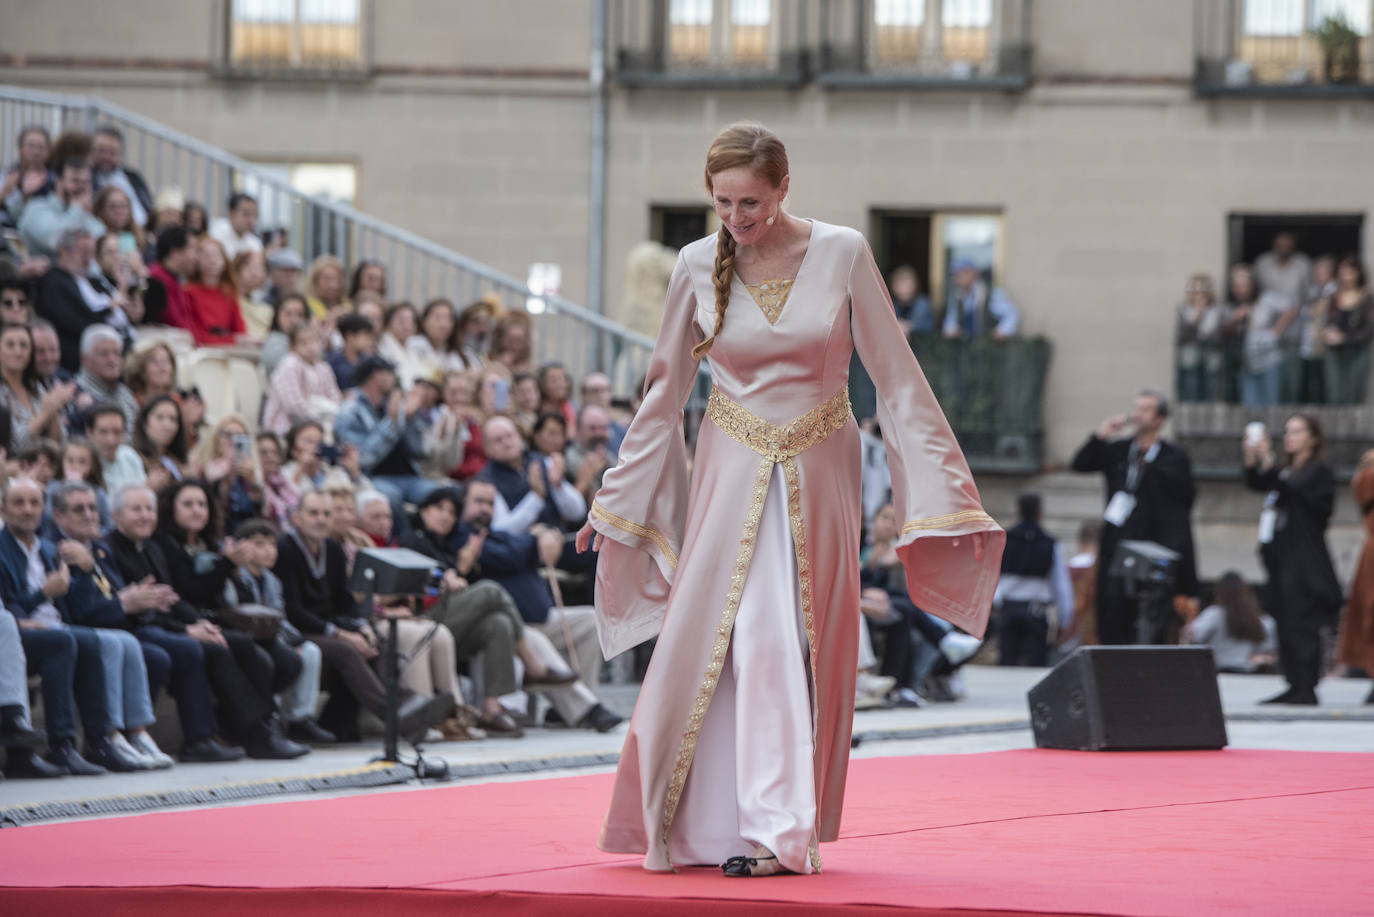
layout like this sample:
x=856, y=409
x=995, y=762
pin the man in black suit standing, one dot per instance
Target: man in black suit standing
x=1150, y=492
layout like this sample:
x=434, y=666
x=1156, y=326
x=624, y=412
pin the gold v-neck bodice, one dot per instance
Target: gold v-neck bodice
x=771, y=296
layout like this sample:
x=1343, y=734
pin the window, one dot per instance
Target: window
x=717, y=32
x=296, y=34
x=897, y=27
x=931, y=241
x=938, y=32
x=966, y=24
x=1276, y=43
x=677, y=225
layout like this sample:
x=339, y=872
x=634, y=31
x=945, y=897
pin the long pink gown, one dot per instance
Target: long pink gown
x=749, y=572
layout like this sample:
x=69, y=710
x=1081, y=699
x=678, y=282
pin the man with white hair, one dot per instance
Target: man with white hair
x=68, y=299
x=102, y=362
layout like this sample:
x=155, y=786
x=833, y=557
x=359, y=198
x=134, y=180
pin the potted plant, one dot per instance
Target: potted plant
x=1340, y=46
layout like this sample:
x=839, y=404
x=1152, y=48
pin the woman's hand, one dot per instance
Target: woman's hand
x=588, y=535
x=57, y=398
x=218, y=468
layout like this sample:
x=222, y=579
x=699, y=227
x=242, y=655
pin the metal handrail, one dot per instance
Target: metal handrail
x=418, y=268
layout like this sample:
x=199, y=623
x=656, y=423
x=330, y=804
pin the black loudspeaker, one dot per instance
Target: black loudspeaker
x=1129, y=698
x=393, y=571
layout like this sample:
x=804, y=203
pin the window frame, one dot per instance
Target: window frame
x=227, y=67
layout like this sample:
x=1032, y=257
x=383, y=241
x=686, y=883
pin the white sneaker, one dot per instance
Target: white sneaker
x=121, y=745
x=878, y=685
x=959, y=647
x=143, y=745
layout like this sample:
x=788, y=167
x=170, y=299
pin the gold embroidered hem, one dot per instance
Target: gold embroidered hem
x=638, y=530
x=948, y=520
x=770, y=296
x=719, y=648
x=794, y=515
x=773, y=441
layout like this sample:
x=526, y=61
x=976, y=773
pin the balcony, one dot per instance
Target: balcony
x=910, y=44
x=1285, y=48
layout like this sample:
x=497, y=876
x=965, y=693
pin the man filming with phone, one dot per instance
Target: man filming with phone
x=1150, y=492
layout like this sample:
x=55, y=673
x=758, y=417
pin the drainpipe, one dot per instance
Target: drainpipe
x=596, y=195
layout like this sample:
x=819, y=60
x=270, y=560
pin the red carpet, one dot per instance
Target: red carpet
x=1043, y=832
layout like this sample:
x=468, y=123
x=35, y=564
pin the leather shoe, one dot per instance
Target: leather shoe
x=1285, y=698
x=549, y=679
x=500, y=726
x=268, y=743
x=65, y=756
x=24, y=763
x=418, y=713
x=15, y=731
x=106, y=754
x=209, y=751
x=600, y=719
x=309, y=732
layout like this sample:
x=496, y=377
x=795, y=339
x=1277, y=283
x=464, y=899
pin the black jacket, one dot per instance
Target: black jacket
x=140, y=186
x=135, y=562
x=1302, y=579
x=313, y=604
x=60, y=302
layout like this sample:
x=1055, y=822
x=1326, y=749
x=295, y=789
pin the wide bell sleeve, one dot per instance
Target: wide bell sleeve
x=641, y=507
x=933, y=492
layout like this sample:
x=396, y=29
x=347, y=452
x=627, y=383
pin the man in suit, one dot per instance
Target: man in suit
x=68, y=300
x=32, y=578
x=1150, y=492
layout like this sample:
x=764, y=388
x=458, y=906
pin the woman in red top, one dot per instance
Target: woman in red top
x=215, y=316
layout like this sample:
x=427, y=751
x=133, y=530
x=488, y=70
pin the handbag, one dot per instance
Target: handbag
x=261, y=622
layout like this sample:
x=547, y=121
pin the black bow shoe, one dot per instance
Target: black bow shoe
x=751, y=866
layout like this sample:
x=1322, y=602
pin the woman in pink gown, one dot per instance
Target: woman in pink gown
x=749, y=572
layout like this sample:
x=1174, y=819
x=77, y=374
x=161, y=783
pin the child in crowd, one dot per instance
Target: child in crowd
x=79, y=462
x=254, y=583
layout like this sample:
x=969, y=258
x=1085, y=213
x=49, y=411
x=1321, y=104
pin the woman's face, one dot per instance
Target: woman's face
x=159, y=370
x=1297, y=437
x=1347, y=276
x=372, y=311
x=458, y=390
x=550, y=438
x=1242, y=284
x=33, y=150
x=76, y=463
x=479, y=326
x=517, y=338
x=306, y=448
x=224, y=443
x=116, y=212
x=211, y=261
x=269, y=456
x=291, y=314
x=527, y=395
x=402, y=325
x=744, y=200
x=107, y=255
x=190, y=511
x=439, y=518
x=438, y=326
x=330, y=283
x=253, y=272
x=15, y=350
x=885, y=524
x=162, y=425
x=556, y=385
x=373, y=278
x=344, y=516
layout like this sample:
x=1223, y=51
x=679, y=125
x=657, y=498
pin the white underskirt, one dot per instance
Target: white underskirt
x=752, y=779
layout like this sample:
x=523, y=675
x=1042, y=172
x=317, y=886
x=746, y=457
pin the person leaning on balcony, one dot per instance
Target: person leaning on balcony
x=912, y=306
x=975, y=308
x=1349, y=328
x=1197, y=337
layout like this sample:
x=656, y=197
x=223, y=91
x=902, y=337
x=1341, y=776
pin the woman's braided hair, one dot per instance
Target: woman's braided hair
x=740, y=145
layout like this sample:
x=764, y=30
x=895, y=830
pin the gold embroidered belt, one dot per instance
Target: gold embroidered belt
x=774, y=441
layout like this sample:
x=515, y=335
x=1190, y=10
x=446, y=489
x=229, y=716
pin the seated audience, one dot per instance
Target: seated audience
x=451, y=430
x=29, y=177
x=226, y=460
x=1242, y=638
x=529, y=491
x=67, y=299
x=110, y=171
x=472, y=334
x=369, y=276
x=308, y=470
x=314, y=575
x=35, y=411
x=16, y=306
x=303, y=386
x=68, y=207
x=165, y=301
x=78, y=463
x=120, y=465
x=596, y=392
x=324, y=288
x=195, y=219
x=433, y=350
x=99, y=381
x=524, y=399
x=512, y=344
x=278, y=493
x=150, y=371
x=237, y=232
x=17, y=736
x=113, y=209
x=591, y=454
x=160, y=440
x=400, y=322
x=555, y=393
x=47, y=354
x=214, y=302
x=283, y=274
x=290, y=313
x=119, y=280
x=359, y=340
x=248, y=271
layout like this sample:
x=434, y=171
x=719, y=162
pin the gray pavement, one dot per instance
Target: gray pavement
x=992, y=717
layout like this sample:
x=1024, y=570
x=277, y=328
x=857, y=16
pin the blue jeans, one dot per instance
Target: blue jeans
x=187, y=683
x=127, y=699
x=401, y=490
x=1262, y=388
x=68, y=659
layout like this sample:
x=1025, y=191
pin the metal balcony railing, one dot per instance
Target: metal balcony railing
x=417, y=268
x=1284, y=47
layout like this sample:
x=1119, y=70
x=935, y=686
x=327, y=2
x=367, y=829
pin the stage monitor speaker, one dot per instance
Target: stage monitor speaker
x=393, y=571
x=1129, y=698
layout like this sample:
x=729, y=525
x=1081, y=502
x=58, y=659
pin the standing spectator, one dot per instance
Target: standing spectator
x=525, y=488
x=913, y=307
x=35, y=410
x=1349, y=329
x=248, y=271
x=159, y=438
x=67, y=207
x=1261, y=382
x=359, y=341
x=368, y=277
x=29, y=177
x=290, y=313
x=385, y=426
x=238, y=232
x=472, y=336
x=66, y=297
x=1304, y=594
x=324, y=288
x=1357, y=630
x=432, y=350
x=113, y=209
x=227, y=463
x=1285, y=272
x=99, y=379
x=15, y=305
x=555, y=393
x=151, y=370
x=283, y=274
x=120, y=465
x=1315, y=311
x=314, y=576
x=214, y=302
x=165, y=301
x=1197, y=341
x=107, y=157
x=1034, y=577
x=595, y=390
x=1242, y=296
x=975, y=308
x=1150, y=492
x=303, y=386
x=1233, y=626
x=279, y=495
